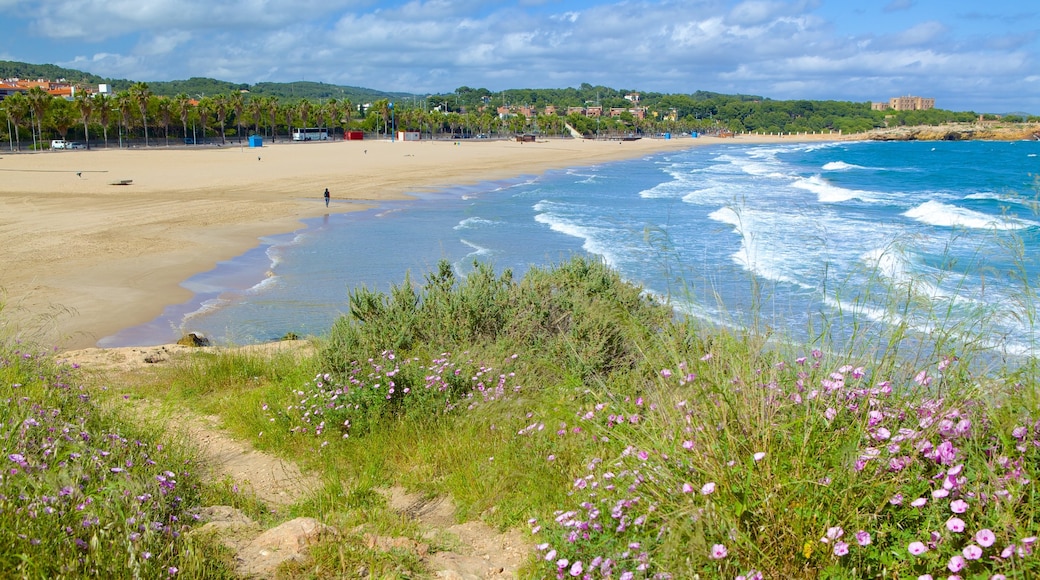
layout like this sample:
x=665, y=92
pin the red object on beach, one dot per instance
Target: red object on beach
x=354, y=135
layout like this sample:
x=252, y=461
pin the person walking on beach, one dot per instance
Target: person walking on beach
x=326, y=197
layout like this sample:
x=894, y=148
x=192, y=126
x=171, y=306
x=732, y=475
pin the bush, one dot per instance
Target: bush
x=83, y=494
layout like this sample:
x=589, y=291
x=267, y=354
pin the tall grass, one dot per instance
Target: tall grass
x=633, y=444
x=84, y=493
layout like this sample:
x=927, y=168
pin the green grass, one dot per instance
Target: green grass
x=628, y=443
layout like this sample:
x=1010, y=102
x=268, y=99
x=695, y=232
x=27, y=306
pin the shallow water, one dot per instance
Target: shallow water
x=783, y=234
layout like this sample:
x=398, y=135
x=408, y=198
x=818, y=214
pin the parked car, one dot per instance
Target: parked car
x=58, y=144
x=75, y=145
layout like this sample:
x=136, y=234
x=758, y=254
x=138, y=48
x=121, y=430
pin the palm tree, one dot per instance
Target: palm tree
x=139, y=94
x=205, y=106
x=124, y=103
x=271, y=108
x=237, y=104
x=289, y=112
x=102, y=110
x=328, y=112
x=220, y=107
x=255, y=109
x=382, y=108
x=165, y=115
x=60, y=114
x=346, y=109
x=182, y=105
x=39, y=100
x=17, y=108
x=85, y=105
x=303, y=109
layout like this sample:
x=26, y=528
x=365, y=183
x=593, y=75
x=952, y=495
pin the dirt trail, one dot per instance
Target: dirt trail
x=478, y=551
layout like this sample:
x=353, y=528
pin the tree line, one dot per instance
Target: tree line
x=137, y=115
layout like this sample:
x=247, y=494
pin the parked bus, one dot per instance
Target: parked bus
x=310, y=134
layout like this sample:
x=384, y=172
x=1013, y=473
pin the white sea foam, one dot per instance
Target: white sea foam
x=840, y=166
x=592, y=241
x=759, y=253
x=473, y=222
x=477, y=250
x=935, y=213
x=829, y=193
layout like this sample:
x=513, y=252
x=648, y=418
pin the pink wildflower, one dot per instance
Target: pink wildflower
x=863, y=538
x=759, y=456
x=687, y=488
x=833, y=533
x=708, y=488
x=718, y=552
x=840, y=549
x=955, y=525
x=956, y=563
x=972, y=552
x=985, y=537
x=917, y=548
x=958, y=506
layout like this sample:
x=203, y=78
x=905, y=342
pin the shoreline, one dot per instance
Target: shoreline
x=85, y=258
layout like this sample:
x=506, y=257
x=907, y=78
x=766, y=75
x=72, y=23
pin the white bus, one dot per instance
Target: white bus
x=310, y=134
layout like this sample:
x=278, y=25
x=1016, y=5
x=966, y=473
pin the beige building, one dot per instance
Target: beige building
x=907, y=103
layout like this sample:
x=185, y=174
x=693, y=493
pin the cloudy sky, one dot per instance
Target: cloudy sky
x=968, y=54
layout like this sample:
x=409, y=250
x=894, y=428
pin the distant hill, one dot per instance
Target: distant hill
x=200, y=86
x=24, y=70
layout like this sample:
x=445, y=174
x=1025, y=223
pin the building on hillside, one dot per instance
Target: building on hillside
x=637, y=112
x=59, y=88
x=907, y=103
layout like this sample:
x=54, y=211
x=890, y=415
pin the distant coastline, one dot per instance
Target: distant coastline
x=985, y=131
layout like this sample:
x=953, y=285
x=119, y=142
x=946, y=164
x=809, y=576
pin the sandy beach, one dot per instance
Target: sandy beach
x=100, y=240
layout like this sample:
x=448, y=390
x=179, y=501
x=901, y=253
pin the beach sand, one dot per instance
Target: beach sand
x=84, y=256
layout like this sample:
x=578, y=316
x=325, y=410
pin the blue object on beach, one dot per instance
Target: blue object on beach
x=256, y=141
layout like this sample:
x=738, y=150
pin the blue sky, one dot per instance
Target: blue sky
x=969, y=55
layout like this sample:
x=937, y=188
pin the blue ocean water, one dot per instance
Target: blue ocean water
x=937, y=236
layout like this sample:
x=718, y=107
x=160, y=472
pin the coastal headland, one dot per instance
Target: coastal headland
x=95, y=241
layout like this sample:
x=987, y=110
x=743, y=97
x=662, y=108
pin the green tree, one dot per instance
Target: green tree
x=221, y=107
x=203, y=109
x=39, y=101
x=103, y=112
x=61, y=115
x=124, y=104
x=85, y=106
x=271, y=109
x=382, y=109
x=165, y=108
x=17, y=109
x=237, y=104
x=289, y=114
x=346, y=110
x=303, y=111
x=255, y=110
x=182, y=106
x=139, y=94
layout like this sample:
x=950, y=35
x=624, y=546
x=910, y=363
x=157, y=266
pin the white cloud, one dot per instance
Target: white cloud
x=776, y=48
